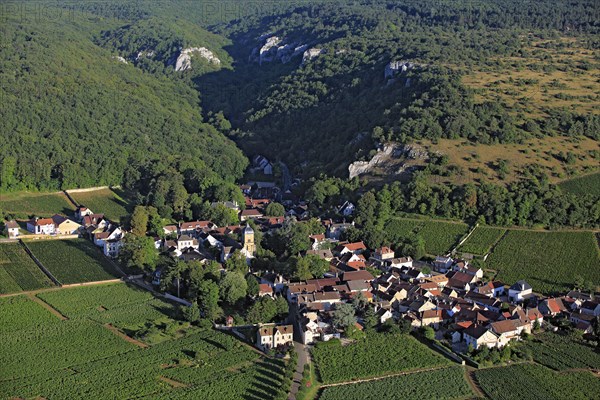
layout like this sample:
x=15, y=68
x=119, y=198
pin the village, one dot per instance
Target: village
x=445, y=299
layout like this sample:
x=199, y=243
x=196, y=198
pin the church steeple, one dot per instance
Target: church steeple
x=248, y=239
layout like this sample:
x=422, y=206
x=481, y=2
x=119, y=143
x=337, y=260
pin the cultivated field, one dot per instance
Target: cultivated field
x=25, y=204
x=82, y=358
x=439, y=236
x=548, y=261
x=73, y=261
x=537, y=382
x=18, y=272
x=104, y=201
x=482, y=239
x=379, y=354
x=562, y=352
x=446, y=383
x=588, y=184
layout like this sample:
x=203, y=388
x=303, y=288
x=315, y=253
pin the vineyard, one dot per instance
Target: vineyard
x=446, y=383
x=377, y=355
x=26, y=205
x=439, y=236
x=588, y=184
x=537, y=382
x=81, y=358
x=549, y=261
x=73, y=261
x=103, y=201
x=18, y=271
x=562, y=352
x=481, y=240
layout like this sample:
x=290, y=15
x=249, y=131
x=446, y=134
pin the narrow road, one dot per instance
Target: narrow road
x=378, y=378
x=473, y=382
x=47, y=306
x=303, y=359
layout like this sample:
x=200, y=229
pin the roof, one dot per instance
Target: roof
x=195, y=225
x=265, y=288
x=508, y=325
x=248, y=230
x=357, y=275
x=41, y=221
x=11, y=225
x=251, y=211
x=521, y=286
x=476, y=331
x=355, y=246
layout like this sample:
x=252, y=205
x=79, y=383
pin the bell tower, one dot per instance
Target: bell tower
x=248, y=240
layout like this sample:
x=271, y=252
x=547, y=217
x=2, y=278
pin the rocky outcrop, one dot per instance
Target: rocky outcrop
x=397, y=67
x=385, y=157
x=274, y=49
x=361, y=167
x=144, y=54
x=311, y=54
x=120, y=59
x=184, y=60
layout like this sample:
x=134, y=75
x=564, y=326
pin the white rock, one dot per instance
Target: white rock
x=311, y=54
x=184, y=60
x=120, y=59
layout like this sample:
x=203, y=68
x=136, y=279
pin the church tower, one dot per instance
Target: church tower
x=248, y=240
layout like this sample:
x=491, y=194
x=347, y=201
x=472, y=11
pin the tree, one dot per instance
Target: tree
x=233, y=287
x=301, y=268
x=367, y=206
x=253, y=286
x=316, y=265
x=263, y=310
x=275, y=210
x=236, y=263
x=208, y=299
x=155, y=222
x=281, y=306
x=139, y=221
x=191, y=314
x=343, y=315
x=360, y=302
x=370, y=318
x=428, y=333
x=138, y=252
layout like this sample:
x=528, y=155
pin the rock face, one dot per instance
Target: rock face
x=397, y=67
x=184, y=60
x=120, y=59
x=361, y=167
x=274, y=49
x=144, y=54
x=385, y=155
x=311, y=54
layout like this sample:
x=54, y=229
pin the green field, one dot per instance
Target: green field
x=446, y=383
x=379, y=354
x=18, y=272
x=80, y=358
x=534, y=382
x=549, y=261
x=25, y=204
x=588, y=184
x=562, y=352
x=109, y=202
x=73, y=261
x=439, y=236
x=482, y=239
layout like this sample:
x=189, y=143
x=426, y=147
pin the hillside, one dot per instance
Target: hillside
x=74, y=115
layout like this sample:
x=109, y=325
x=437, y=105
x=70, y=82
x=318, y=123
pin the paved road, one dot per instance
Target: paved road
x=303, y=359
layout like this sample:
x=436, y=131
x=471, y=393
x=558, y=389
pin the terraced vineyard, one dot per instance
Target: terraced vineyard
x=18, y=271
x=104, y=201
x=446, y=383
x=81, y=358
x=537, y=382
x=73, y=261
x=439, y=236
x=549, y=261
x=379, y=354
x=482, y=239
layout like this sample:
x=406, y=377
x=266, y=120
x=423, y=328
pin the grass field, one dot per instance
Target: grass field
x=537, y=382
x=482, y=239
x=80, y=358
x=18, y=272
x=25, y=204
x=109, y=202
x=588, y=184
x=446, y=383
x=439, y=236
x=548, y=261
x=73, y=261
x=379, y=354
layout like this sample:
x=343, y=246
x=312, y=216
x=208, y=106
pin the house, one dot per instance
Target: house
x=95, y=220
x=262, y=164
x=232, y=205
x=508, y=330
x=64, y=226
x=354, y=248
x=185, y=242
x=478, y=336
x=431, y=318
x=112, y=247
x=295, y=289
x=81, y=212
x=442, y=264
x=519, y=292
x=11, y=228
x=170, y=230
x=41, y=226
x=552, y=307
x=264, y=289
x=346, y=209
x=399, y=262
x=334, y=231
x=492, y=289
x=383, y=315
x=326, y=255
x=309, y=328
x=270, y=337
x=365, y=276
x=591, y=308
x=250, y=213
x=316, y=241
x=274, y=280
x=383, y=253
x=195, y=227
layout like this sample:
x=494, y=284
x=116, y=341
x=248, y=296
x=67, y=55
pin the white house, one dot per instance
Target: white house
x=478, y=336
x=41, y=226
x=442, y=264
x=269, y=337
x=112, y=248
x=519, y=291
x=12, y=229
x=346, y=209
